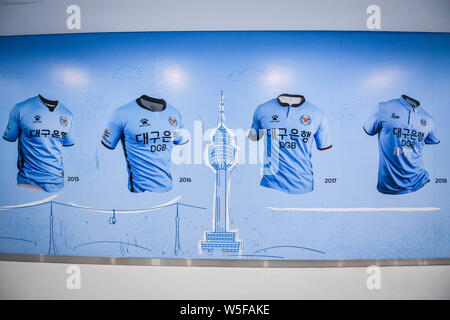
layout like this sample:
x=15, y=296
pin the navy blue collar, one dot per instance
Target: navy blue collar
x=161, y=102
x=407, y=101
x=50, y=104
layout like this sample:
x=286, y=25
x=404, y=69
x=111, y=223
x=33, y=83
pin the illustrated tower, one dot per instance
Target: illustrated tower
x=222, y=157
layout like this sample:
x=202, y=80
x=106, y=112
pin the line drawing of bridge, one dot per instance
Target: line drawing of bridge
x=112, y=220
x=115, y=218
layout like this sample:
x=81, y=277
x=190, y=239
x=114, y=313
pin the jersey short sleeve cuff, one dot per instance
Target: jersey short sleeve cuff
x=9, y=140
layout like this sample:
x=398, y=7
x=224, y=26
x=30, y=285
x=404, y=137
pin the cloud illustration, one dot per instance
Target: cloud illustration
x=127, y=72
x=247, y=74
x=11, y=75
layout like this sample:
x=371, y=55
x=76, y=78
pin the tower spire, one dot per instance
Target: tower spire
x=221, y=108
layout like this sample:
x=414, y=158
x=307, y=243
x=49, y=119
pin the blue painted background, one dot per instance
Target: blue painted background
x=343, y=73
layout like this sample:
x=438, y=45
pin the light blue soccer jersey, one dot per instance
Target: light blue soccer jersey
x=402, y=131
x=43, y=127
x=147, y=139
x=291, y=125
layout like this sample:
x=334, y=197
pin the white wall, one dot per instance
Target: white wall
x=29, y=16
x=31, y=280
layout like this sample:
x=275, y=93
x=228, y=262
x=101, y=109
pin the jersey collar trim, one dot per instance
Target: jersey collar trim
x=280, y=97
x=404, y=101
x=51, y=105
x=151, y=99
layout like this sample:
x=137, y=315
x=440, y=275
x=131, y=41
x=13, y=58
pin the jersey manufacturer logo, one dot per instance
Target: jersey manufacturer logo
x=173, y=121
x=395, y=116
x=305, y=120
x=144, y=122
x=63, y=121
x=37, y=119
x=274, y=118
x=423, y=122
x=107, y=132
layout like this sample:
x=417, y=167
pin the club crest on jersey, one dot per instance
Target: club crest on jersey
x=305, y=120
x=173, y=121
x=423, y=122
x=107, y=132
x=63, y=121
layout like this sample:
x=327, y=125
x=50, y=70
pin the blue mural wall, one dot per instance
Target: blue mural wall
x=345, y=74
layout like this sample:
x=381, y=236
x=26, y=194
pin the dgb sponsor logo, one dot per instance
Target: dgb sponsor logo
x=157, y=147
x=288, y=145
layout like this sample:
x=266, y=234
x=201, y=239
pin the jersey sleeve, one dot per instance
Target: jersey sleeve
x=68, y=138
x=322, y=135
x=432, y=137
x=113, y=131
x=177, y=136
x=255, y=131
x=13, y=128
x=373, y=124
